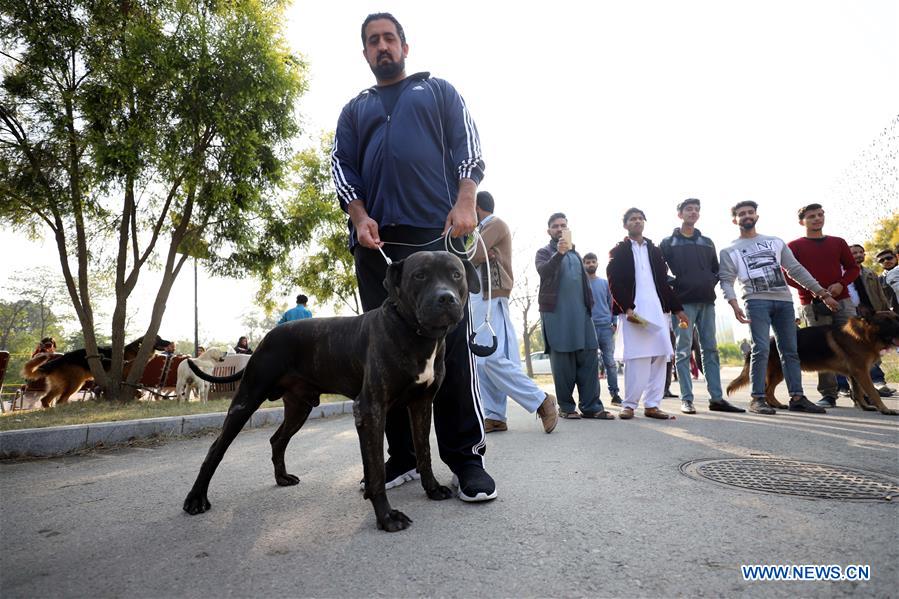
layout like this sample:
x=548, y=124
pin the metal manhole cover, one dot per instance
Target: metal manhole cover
x=799, y=479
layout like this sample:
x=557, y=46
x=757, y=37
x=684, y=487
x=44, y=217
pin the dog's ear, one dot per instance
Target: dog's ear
x=393, y=278
x=471, y=275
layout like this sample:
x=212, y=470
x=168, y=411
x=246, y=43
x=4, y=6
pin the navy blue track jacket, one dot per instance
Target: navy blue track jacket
x=406, y=166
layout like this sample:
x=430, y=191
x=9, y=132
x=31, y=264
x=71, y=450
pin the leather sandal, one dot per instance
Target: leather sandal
x=569, y=415
x=626, y=414
x=604, y=415
x=655, y=413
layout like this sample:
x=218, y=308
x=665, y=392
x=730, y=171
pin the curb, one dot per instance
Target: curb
x=60, y=440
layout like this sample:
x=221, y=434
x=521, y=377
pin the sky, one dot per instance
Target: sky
x=590, y=108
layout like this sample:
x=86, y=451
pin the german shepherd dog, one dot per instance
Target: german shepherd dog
x=66, y=374
x=850, y=350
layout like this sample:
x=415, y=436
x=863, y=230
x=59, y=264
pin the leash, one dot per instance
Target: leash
x=481, y=351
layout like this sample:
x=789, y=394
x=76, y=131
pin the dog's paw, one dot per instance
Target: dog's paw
x=394, y=521
x=286, y=480
x=439, y=493
x=869, y=408
x=889, y=412
x=196, y=504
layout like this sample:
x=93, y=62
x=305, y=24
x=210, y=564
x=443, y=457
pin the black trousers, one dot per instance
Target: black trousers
x=458, y=419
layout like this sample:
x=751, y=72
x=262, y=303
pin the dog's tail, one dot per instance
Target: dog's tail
x=742, y=380
x=231, y=378
x=29, y=370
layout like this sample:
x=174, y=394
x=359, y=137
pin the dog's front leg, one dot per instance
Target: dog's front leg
x=371, y=417
x=420, y=418
x=867, y=385
x=858, y=395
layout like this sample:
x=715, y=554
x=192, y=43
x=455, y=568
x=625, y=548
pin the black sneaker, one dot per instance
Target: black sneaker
x=804, y=405
x=396, y=476
x=616, y=400
x=758, y=406
x=722, y=405
x=474, y=484
x=669, y=395
x=825, y=402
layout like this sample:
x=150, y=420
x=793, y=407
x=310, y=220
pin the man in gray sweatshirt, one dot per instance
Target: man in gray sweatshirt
x=757, y=261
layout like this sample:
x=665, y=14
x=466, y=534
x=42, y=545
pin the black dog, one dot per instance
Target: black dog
x=389, y=357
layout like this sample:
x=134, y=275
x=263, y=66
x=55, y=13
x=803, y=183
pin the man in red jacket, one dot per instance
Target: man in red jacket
x=829, y=260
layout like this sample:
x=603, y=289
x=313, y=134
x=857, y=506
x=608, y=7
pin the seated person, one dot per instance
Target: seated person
x=46, y=346
x=243, y=346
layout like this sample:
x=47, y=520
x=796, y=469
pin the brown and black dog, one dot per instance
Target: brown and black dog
x=66, y=374
x=850, y=350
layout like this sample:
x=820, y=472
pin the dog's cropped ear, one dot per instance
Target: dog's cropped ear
x=471, y=275
x=393, y=278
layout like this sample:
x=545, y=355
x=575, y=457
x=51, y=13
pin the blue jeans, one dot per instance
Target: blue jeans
x=606, y=339
x=701, y=316
x=765, y=314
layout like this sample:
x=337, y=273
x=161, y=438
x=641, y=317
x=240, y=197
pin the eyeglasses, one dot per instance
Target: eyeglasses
x=886, y=259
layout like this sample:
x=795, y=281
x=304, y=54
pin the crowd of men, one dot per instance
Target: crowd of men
x=406, y=164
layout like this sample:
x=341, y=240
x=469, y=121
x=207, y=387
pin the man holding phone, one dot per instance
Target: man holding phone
x=566, y=300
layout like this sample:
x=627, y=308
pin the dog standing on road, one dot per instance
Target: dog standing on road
x=66, y=374
x=390, y=357
x=188, y=381
x=850, y=349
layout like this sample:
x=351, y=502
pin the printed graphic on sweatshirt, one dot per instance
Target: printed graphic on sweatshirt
x=763, y=267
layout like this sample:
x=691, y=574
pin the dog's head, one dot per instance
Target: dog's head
x=213, y=354
x=886, y=325
x=430, y=290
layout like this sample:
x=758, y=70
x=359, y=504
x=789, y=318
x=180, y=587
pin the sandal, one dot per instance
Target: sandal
x=656, y=413
x=569, y=415
x=604, y=415
x=626, y=414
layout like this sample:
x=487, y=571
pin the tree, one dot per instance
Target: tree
x=524, y=297
x=325, y=271
x=256, y=324
x=886, y=236
x=44, y=290
x=138, y=132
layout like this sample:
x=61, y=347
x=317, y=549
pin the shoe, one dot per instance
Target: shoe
x=686, y=406
x=885, y=392
x=491, y=425
x=394, y=476
x=844, y=393
x=474, y=484
x=804, y=405
x=758, y=406
x=599, y=415
x=655, y=413
x=885, y=388
x=569, y=415
x=548, y=412
x=626, y=414
x=669, y=394
x=722, y=405
x=825, y=402
x=616, y=400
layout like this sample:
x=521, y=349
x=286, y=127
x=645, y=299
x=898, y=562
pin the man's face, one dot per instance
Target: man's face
x=590, y=265
x=813, y=220
x=746, y=218
x=858, y=253
x=556, y=227
x=888, y=262
x=689, y=214
x=384, y=51
x=634, y=224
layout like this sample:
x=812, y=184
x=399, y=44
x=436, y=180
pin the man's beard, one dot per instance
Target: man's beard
x=747, y=225
x=591, y=270
x=384, y=71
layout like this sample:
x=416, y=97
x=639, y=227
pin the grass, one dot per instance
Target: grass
x=86, y=412
x=890, y=366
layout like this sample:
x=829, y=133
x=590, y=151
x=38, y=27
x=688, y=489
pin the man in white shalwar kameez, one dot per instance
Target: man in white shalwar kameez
x=642, y=299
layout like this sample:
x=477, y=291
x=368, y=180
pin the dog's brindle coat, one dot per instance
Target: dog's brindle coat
x=389, y=357
x=850, y=350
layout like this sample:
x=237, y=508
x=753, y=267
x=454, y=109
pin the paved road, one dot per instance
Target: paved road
x=594, y=509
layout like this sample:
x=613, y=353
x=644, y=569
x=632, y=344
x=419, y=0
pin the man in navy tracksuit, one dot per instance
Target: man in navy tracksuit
x=406, y=165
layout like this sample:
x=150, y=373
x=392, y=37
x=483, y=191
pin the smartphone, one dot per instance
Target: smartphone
x=566, y=235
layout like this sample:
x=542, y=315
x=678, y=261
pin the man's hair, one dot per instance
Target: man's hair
x=808, y=208
x=743, y=204
x=302, y=299
x=46, y=340
x=687, y=202
x=590, y=256
x=884, y=252
x=485, y=201
x=555, y=216
x=857, y=245
x=375, y=16
x=630, y=211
